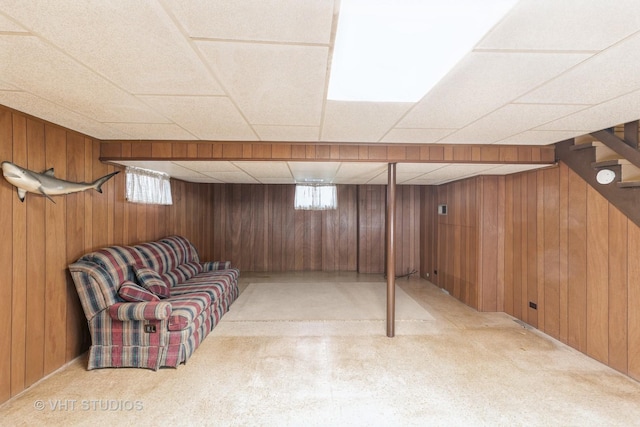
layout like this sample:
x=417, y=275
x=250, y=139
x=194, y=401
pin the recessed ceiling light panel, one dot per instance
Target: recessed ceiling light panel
x=397, y=50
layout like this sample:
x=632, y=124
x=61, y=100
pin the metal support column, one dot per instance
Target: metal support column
x=391, y=250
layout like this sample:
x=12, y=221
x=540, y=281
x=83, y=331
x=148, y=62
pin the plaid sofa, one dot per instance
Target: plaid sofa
x=132, y=326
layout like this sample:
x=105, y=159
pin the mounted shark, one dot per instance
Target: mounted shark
x=46, y=183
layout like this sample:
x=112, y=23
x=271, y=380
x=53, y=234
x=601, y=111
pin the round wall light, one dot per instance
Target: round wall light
x=605, y=176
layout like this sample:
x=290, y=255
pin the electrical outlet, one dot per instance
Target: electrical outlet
x=533, y=305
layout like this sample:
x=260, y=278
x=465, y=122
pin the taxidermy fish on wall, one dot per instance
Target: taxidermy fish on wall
x=45, y=183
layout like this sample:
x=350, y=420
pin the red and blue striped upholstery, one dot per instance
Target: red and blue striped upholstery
x=151, y=334
x=131, y=292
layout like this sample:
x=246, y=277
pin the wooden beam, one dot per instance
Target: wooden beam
x=115, y=151
x=391, y=250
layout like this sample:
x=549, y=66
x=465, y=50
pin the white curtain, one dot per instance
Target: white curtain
x=146, y=186
x=316, y=197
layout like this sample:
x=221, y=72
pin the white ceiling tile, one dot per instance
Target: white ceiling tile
x=334, y=172
x=418, y=136
x=314, y=170
x=208, y=166
x=38, y=107
x=135, y=44
x=239, y=177
x=453, y=172
x=149, y=70
x=509, y=169
x=287, y=133
x=169, y=131
x=206, y=117
x=170, y=168
x=583, y=84
x=265, y=20
x=483, y=82
x=262, y=170
x=277, y=180
x=207, y=179
x=567, y=25
x=360, y=121
x=24, y=60
x=405, y=177
x=272, y=84
x=539, y=137
x=380, y=179
x=620, y=110
x=358, y=172
x=419, y=168
x=508, y=121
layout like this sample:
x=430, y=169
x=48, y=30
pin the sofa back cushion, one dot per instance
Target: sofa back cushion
x=114, y=265
x=117, y=261
x=184, y=249
x=181, y=273
x=159, y=256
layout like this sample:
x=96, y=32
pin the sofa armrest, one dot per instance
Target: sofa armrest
x=152, y=310
x=216, y=265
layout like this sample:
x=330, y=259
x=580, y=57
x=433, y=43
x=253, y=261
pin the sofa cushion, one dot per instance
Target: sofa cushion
x=218, y=284
x=186, y=308
x=151, y=280
x=131, y=292
x=181, y=274
x=216, y=265
x=183, y=248
x=190, y=269
x=158, y=256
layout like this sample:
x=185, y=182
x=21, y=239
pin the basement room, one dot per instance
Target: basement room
x=312, y=213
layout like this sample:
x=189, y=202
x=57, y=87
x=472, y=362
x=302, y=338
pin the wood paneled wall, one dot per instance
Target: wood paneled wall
x=547, y=238
x=579, y=263
x=41, y=322
x=257, y=227
x=461, y=250
x=457, y=265
x=42, y=325
x=371, y=231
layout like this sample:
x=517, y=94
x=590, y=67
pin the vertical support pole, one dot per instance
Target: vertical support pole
x=391, y=250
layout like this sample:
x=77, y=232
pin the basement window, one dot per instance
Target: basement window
x=315, y=197
x=147, y=186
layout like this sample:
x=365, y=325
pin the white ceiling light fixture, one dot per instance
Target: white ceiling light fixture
x=605, y=176
x=397, y=50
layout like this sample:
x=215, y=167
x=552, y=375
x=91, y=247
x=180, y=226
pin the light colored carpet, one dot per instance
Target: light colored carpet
x=322, y=302
x=297, y=309
x=468, y=369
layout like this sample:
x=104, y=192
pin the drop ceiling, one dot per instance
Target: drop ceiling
x=258, y=70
